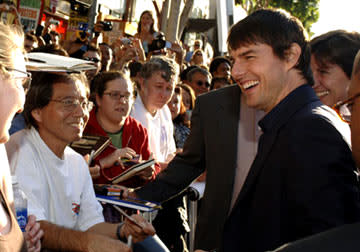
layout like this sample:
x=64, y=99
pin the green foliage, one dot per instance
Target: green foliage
x=305, y=10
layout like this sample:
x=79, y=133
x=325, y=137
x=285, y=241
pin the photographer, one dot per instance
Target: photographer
x=126, y=50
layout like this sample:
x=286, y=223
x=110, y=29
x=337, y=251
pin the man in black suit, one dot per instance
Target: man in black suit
x=345, y=238
x=302, y=180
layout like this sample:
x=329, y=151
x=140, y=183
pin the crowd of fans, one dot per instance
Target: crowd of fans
x=183, y=109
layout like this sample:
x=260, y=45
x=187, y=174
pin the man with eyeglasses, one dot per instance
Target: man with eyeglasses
x=56, y=178
x=199, y=79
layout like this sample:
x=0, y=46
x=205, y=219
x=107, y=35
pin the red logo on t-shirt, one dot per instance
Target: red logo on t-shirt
x=76, y=208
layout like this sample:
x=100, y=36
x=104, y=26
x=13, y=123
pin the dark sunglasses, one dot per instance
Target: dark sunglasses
x=344, y=108
x=200, y=83
x=95, y=60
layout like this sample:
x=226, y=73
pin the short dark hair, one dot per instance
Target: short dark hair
x=183, y=74
x=41, y=91
x=52, y=48
x=337, y=47
x=279, y=30
x=216, y=62
x=135, y=68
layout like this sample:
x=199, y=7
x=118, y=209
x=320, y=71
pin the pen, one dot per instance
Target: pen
x=91, y=157
x=129, y=241
x=127, y=145
x=128, y=216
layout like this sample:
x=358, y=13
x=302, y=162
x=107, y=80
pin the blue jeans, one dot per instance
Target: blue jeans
x=150, y=244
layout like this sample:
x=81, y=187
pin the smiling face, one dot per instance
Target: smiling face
x=155, y=91
x=12, y=96
x=175, y=105
x=331, y=82
x=113, y=110
x=57, y=125
x=186, y=98
x=261, y=75
x=200, y=83
x=223, y=71
x=146, y=21
x=354, y=89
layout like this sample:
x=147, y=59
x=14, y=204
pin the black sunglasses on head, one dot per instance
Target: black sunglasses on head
x=95, y=60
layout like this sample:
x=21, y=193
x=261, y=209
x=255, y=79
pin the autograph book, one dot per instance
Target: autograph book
x=48, y=62
x=138, y=204
x=135, y=167
x=88, y=143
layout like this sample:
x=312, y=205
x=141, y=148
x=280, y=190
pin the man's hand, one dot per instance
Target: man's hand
x=147, y=173
x=138, y=234
x=33, y=234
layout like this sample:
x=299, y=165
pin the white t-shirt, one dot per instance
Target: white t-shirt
x=160, y=129
x=58, y=190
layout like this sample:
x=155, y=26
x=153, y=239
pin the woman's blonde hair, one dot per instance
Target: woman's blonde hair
x=11, y=40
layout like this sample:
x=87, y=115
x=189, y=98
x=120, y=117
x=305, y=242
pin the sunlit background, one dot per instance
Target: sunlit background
x=344, y=14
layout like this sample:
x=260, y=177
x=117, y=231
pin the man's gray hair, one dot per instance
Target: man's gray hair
x=197, y=70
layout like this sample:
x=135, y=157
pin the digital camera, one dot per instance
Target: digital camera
x=107, y=25
x=159, y=43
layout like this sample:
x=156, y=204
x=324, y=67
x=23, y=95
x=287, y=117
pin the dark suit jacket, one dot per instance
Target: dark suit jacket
x=302, y=180
x=211, y=145
x=341, y=239
x=302, y=183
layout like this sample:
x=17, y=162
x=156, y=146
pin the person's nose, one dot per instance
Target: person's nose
x=238, y=71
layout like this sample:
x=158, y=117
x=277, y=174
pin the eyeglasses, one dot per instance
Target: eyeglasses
x=115, y=95
x=201, y=83
x=93, y=59
x=24, y=77
x=344, y=108
x=198, y=54
x=70, y=104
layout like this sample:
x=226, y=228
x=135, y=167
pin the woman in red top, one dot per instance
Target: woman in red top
x=113, y=94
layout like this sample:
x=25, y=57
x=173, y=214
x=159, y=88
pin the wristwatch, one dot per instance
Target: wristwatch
x=118, y=232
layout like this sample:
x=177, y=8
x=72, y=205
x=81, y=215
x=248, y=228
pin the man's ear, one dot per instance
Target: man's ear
x=98, y=101
x=141, y=81
x=292, y=55
x=36, y=114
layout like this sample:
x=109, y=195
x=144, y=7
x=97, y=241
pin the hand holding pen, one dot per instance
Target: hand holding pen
x=136, y=227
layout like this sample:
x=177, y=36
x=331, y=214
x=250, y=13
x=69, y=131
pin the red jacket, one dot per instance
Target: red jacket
x=139, y=142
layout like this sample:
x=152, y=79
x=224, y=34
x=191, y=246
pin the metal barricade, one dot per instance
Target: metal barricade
x=193, y=196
